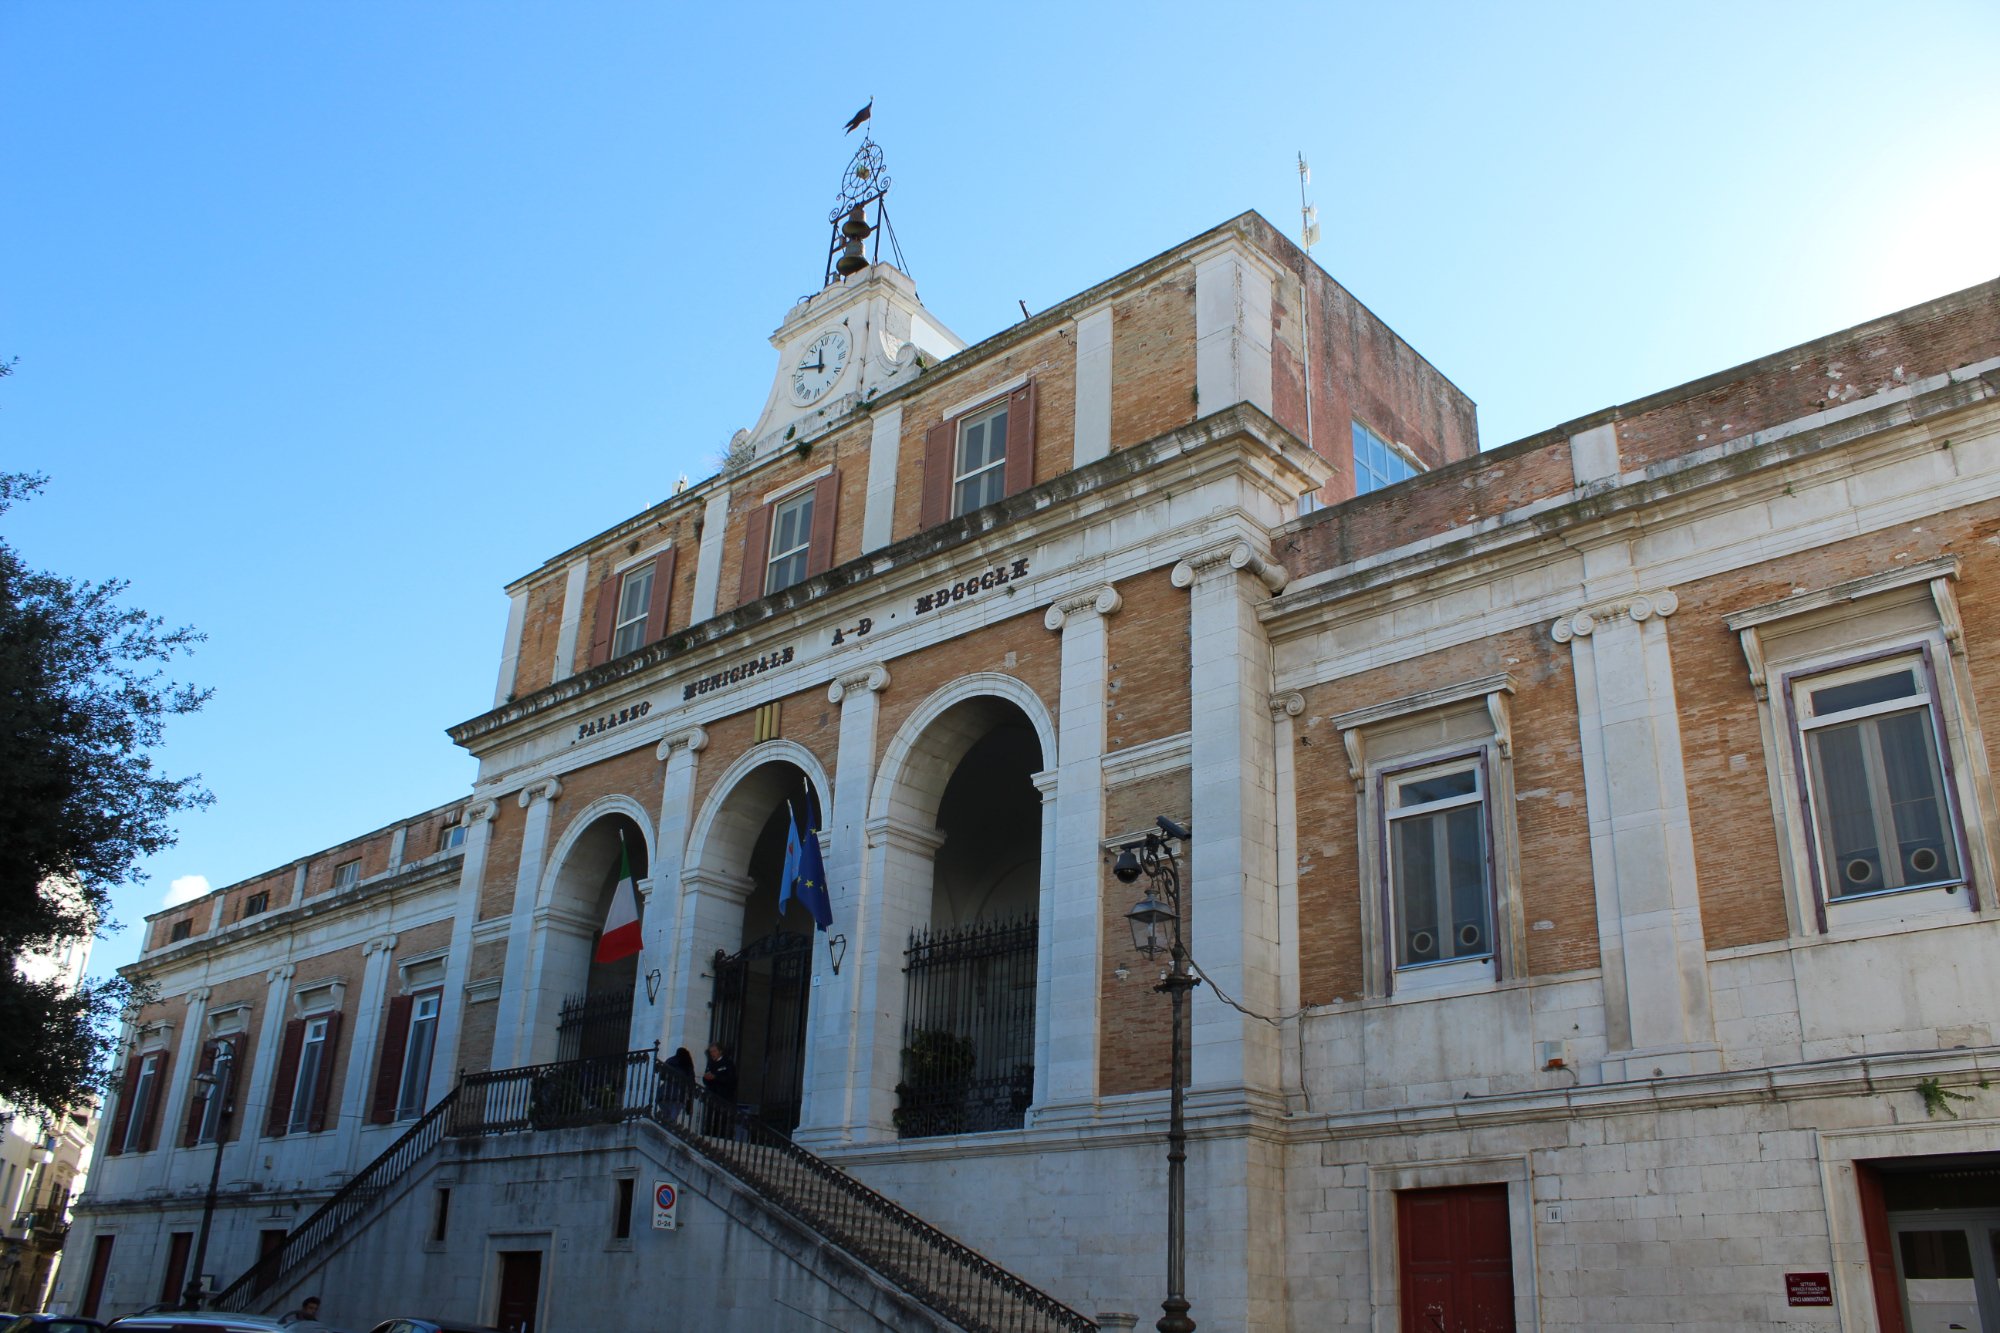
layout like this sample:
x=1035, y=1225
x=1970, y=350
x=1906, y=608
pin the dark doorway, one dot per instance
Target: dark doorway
x=520, y=1290
x=268, y=1244
x=758, y=1015
x=100, y=1265
x=173, y=1284
x=1457, y=1261
x=1933, y=1228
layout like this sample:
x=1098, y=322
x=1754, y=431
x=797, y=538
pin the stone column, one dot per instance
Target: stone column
x=901, y=866
x=1657, y=1015
x=1071, y=905
x=180, y=1080
x=519, y=1002
x=357, y=1088
x=681, y=752
x=835, y=1006
x=449, y=1059
x=1284, y=781
x=251, y=1109
x=1045, y=941
x=1230, y=874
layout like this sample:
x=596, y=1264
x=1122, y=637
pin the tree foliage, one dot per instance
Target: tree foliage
x=84, y=700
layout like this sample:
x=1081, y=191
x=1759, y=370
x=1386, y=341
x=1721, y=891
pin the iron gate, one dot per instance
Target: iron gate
x=968, y=1029
x=592, y=1025
x=758, y=1016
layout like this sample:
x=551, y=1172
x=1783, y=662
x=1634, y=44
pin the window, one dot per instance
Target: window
x=257, y=902
x=416, y=1075
x=635, y=600
x=978, y=475
x=451, y=835
x=1440, y=897
x=346, y=875
x=139, y=1104
x=1376, y=462
x=441, y=1213
x=621, y=1209
x=791, y=536
x=1881, y=818
x=981, y=452
x=181, y=929
x=214, y=1096
x=312, y=1073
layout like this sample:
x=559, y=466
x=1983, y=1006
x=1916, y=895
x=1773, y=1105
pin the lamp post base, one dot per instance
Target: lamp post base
x=1175, y=1320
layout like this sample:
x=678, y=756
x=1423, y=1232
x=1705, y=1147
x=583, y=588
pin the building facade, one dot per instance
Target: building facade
x=42, y=1162
x=1591, y=862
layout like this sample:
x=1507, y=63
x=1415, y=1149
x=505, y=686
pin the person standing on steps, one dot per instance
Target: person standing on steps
x=720, y=1080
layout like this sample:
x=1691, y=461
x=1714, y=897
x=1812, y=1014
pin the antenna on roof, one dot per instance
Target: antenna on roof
x=1308, y=214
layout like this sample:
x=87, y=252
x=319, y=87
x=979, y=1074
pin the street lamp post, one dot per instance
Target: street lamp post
x=220, y=1082
x=1156, y=929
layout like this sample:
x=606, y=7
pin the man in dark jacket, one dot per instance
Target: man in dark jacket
x=720, y=1080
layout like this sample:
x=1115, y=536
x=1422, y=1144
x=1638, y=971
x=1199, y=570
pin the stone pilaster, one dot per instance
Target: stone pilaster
x=449, y=1059
x=681, y=752
x=357, y=1087
x=251, y=1109
x=519, y=1001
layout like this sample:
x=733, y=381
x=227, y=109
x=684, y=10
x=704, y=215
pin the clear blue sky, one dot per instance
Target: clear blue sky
x=334, y=317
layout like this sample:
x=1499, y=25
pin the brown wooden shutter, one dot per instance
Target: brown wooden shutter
x=197, y=1102
x=607, y=621
x=389, y=1071
x=122, y=1118
x=940, y=448
x=237, y=1074
x=280, y=1110
x=826, y=506
x=149, y=1134
x=756, y=554
x=323, y=1095
x=1881, y=1257
x=1020, y=465
x=663, y=594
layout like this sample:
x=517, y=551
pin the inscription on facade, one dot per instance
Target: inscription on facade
x=742, y=671
x=972, y=585
x=617, y=719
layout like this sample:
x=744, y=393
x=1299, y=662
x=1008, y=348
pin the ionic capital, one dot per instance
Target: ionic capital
x=1103, y=599
x=380, y=944
x=546, y=789
x=1639, y=606
x=280, y=974
x=1233, y=556
x=479, y=811
x=693, y=739
x=1289, y=704
x=874, y=678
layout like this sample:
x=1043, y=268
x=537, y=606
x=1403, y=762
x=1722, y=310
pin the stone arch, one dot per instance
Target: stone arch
x=571, y=901
x=725, y=830
x=919, y=750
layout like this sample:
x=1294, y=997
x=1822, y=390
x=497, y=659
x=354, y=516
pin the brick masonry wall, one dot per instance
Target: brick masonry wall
x=1152, y=359
x=675, y=527
x=541, y=629
x=1925, y=340
x=1136, y=1028
x=845, y=448
x=1148, y=662
x=635, y=773
x=1550, y=818
x=503, y=857
x=805, y=718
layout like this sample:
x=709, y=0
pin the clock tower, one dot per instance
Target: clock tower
x=865, y=332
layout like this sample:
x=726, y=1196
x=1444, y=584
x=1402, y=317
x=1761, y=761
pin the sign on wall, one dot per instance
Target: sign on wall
x=666, y=1206
x=1808, y=1289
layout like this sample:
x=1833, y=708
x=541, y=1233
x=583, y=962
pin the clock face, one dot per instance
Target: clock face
x=819, y=366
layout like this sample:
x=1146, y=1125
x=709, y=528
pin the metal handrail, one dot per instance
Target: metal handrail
x=332, y=1217
x=937, y=1269
x=597, y=1090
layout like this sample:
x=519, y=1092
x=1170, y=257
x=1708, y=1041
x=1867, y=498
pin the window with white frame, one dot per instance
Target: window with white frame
x=635, y=602
x=1440, y=886
x=451, y=835
x=1881, y=812
x=346, y=875
x=791, y=541
x=417, y=1053
x=1377, y=463
x=144, y=1090
x=214, y=1094
x=312, y=1072
x=979, y=464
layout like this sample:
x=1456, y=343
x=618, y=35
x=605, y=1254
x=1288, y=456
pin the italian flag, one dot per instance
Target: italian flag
x=621, y=924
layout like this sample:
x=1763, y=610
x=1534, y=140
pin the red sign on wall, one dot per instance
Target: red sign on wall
x=1808, y=1289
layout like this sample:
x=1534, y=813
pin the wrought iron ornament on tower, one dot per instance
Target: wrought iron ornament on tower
x=864, y=185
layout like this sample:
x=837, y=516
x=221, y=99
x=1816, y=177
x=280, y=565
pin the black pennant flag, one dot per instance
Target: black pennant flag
x=861, y=115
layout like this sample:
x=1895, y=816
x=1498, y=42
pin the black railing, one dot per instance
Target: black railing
x=969, y=1029
x=563, y=1095
x=334, y=1216
x=943, y=1273
x=594, y=1025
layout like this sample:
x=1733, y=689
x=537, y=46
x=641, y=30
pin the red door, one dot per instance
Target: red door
x=172, y=1286
x=1457, y=1263
x=100, y=1264
x=520, y=1290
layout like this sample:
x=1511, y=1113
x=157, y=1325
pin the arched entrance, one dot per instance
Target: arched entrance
x=583, y=1007
x=969, y=964
x=760, y=993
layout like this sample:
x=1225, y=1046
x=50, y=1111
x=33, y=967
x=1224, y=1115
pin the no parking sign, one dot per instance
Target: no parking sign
x=666, y=1206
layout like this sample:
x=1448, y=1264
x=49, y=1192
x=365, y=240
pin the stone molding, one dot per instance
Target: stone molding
x=874, y=677
x=199, y=995
x=548, y=789
x=888, y=831
x=736, y=888
x=1045, y=783
x=1640, y=606
x=1236, y=556
x=1103, y=599
x=380, y=944
x=693, y=739
x=478, y=811
x=282, y=972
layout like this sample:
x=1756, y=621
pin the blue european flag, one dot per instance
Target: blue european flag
x=791, y=871
x=812, y=881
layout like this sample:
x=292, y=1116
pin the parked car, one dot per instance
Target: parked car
x=428, y=1326
x=200, y=1321
x=49, y=1323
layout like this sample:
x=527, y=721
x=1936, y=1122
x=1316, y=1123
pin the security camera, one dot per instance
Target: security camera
x=1171, y=829
x=1126, y=868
